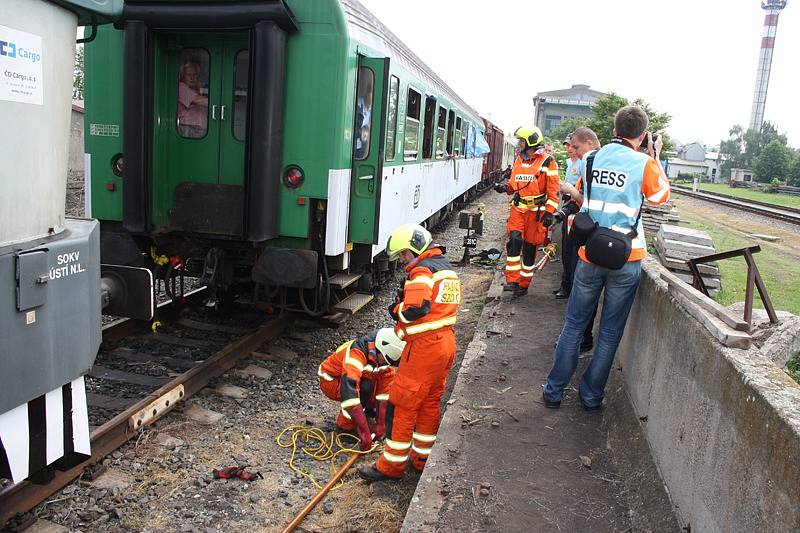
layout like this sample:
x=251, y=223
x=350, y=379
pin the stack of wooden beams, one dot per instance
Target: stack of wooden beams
x=675, y=245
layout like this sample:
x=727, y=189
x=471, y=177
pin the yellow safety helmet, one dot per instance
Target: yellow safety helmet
x=531, y=135
x=408, y=237
x=389, y=344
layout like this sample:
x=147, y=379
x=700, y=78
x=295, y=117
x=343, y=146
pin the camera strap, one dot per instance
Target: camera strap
x=588, y=179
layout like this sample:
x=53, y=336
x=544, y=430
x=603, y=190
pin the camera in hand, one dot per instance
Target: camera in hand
x=644, y=144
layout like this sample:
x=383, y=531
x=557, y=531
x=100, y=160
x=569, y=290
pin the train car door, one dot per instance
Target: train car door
x=368, y=148
x=200, y=107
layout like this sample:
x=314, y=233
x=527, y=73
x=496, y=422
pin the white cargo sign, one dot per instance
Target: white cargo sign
x=21, y=67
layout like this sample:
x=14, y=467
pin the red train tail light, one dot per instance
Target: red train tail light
x=293, y=178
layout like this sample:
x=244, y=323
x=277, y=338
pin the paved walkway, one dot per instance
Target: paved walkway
x=504, y=462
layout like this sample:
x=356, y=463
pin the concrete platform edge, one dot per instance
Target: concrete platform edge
x=423, y=513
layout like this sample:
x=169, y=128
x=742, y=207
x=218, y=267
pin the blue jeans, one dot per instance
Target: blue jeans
x=620, y=286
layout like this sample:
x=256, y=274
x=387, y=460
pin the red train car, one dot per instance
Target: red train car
x=493, y=161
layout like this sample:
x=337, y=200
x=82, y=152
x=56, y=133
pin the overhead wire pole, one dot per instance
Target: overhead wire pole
x=773, y=9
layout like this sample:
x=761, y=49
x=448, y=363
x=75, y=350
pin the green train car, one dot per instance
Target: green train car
x=276, y=142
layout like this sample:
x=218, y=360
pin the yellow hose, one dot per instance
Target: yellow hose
x=314, y=443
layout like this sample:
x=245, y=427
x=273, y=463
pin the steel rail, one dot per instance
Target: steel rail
x=777, y=212
x=24, y=496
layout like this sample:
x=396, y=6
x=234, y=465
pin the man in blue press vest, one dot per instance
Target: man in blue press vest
x=621, y=177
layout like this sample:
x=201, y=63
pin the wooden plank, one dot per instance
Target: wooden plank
x=173, y=340
x=204, y=326
x=176, y=363
x=101, y=372
x=678, y=286
x=275, y=353
x=108, y=402
x=231, y=391
x=256, y=371
x=202, y=415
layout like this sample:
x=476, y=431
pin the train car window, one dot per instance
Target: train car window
x=192, y=102
x=427, y=132
x=413, y=108
x=451, y=123
x=441, y=133
x=457, y=140
x=391, y=120
x=366, y=84
x=241, y=70
x=466, y=140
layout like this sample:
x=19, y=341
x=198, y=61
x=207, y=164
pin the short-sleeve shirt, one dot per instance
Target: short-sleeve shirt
x=190, y=114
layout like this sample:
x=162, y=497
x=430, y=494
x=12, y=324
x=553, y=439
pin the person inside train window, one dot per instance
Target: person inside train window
x=192, y=105
x=363, y=113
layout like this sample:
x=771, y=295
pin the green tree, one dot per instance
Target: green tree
x=794, y=170
x=604, y=109
x=772, y=162
x=78, y=75
x=742, y=147
x=566, y=127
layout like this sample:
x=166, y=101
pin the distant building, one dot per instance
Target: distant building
x=554, y=107
x=75, y=166
x=741, y=174
x=693, y=159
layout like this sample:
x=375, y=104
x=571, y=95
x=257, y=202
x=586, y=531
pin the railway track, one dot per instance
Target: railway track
x=777, y=212
x=138, y=399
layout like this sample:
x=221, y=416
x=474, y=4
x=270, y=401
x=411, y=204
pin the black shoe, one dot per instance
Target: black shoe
x=520, y=291
x=556, y=291
x=587, y=345
x=598, y=407
x=372, y=474
x=561, y=295
x=550, y=404
x=511, y=287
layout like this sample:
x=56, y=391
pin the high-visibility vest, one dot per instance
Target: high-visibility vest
x=621, y=178
x=536, y=182
x=432, y=285
x=355, y=360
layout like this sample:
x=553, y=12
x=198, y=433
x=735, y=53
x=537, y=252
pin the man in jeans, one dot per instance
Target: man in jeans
x=621, y=178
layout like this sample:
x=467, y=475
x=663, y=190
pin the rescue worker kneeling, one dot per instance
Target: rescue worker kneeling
x=425, y=316
x=358, y=376
x=534, y=184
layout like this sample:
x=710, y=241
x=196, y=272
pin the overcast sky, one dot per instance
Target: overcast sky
x=694, y=59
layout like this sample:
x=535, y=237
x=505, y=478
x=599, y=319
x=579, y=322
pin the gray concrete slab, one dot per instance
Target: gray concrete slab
x=503, y=462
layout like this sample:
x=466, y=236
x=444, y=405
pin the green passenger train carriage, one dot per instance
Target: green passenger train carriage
x=276, y=141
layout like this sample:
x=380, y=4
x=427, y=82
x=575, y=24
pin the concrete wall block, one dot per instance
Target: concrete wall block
x=723, y=424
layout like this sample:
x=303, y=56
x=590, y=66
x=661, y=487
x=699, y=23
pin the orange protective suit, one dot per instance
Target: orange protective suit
x=352, y=375
x=535, y=185
x=425, y=319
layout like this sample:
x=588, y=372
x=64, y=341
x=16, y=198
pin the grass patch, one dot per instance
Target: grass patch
x=779, y=272
x=793, y=368
x=750, y=194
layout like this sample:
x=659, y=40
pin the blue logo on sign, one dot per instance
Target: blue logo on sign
x=9, y=49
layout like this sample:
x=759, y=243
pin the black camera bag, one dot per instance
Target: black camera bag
x=603, y=246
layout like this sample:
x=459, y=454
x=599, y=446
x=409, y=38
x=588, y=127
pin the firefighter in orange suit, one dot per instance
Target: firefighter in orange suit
x=358, y=376
x=425, y=317
x=534, y=184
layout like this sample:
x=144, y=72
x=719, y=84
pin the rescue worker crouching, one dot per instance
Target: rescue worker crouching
x=358, y=375
x=534, y=184
x=425, y=315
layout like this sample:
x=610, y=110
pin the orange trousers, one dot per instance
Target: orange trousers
x=525, y=233
x=412, y=413
x=332, y=389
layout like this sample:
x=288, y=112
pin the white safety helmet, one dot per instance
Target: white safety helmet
x=389, y=344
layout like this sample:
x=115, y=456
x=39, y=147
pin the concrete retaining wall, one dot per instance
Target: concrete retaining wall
x=723, y=424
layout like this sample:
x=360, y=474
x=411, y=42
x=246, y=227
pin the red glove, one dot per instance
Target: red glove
x=362, y=428
x=379, y=429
